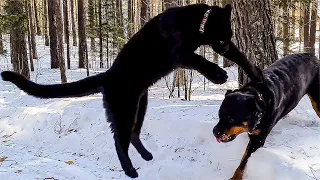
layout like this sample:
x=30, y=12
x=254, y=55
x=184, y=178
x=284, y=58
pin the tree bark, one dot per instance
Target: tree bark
x=1, y=44
x=226, y=62
x=35, y=7
x=286, y=39
x=255, y=33
x=144, y=17
x=82, y=35
x=19, y=55
x=27, y=4
x=170, y=3
x=45, y=23
x=73, y=26
x=53, y=35
x=313, y=27
x=100, y=34
x=66, y=30
x=301, y=27
x=293, y=21
x=32, y=33
x=1, y=39
x=306, y=27
x=91, y=29
x=60, y=50
x=130, y=18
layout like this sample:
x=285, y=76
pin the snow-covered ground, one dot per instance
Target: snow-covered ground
x=70, y=138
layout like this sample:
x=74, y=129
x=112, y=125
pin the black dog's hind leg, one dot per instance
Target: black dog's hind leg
x=135, y=136
x=256, y=141
x=121, y=113
x=209, y=69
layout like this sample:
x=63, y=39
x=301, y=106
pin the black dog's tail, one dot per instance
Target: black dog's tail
x=314, y=93
x=84, y=87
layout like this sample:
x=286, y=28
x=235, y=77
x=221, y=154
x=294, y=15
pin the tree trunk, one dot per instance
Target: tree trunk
x=1, y=44
x=255, y=33
x=27, y=4
x=286, y=39
x=119, y=18
x=226, y=62
x=170, y=3
x=19, y=55
x=91, y=29
x=82, y=35
x=301, y=27
x=130, y=18
x=1, y=39
x=60, y=50
x=293, y=23
x=306, y=27
x=66, y=30
x=35, y=7
x=30, y=49
x=215, y=55
x=45, y=19
x=73, y=26
x=32, y=33
x=53, y=35
x=313, y=27
x=100, y=33
x=144, y=12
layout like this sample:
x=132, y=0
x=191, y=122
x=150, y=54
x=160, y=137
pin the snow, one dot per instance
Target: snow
x=70, y=138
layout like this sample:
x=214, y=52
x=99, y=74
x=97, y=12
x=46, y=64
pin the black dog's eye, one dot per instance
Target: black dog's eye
x=231, y=120
x=222, y=42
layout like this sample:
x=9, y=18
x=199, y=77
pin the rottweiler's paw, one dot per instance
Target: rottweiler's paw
x=236, y=178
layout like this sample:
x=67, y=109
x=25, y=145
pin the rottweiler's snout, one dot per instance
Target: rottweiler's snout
x=216, y=132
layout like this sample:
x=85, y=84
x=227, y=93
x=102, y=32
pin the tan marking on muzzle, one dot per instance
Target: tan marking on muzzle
x=236, y=130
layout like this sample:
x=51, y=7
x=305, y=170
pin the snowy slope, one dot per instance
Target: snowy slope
x=70, y=138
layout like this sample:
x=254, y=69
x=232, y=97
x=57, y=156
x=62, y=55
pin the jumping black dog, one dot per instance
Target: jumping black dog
x=166, y=42
x=258, y=106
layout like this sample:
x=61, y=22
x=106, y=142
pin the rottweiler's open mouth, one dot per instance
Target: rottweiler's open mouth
x=225, y=138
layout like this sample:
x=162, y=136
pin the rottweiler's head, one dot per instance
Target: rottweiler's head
x=218, y=30
x=239, y=112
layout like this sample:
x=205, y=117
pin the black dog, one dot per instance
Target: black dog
x=166, y=42
x=258, y=106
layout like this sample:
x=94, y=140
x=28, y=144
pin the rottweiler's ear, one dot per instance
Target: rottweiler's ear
x=252, y=123
x=228, y=8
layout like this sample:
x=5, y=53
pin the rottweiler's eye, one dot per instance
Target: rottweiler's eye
x=222, y=42
x=231, y=120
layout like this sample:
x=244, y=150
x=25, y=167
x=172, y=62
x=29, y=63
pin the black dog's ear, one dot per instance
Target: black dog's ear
x=228, y=8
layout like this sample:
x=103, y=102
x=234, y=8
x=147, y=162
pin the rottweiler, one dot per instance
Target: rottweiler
x=259, y=105
x=168, y=41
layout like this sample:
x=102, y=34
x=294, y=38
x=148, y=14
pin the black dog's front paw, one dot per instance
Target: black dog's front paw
x=147, y=156
x=221, y=78
x=218, y=77
x=131, y=173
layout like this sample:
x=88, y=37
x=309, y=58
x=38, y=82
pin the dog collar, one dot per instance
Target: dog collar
x=204, y=20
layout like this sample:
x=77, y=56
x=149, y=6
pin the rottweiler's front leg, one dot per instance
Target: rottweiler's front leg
x=256, y=141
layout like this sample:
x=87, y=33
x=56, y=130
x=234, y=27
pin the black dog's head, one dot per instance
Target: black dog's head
x=218, y=30
x=239, y=112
